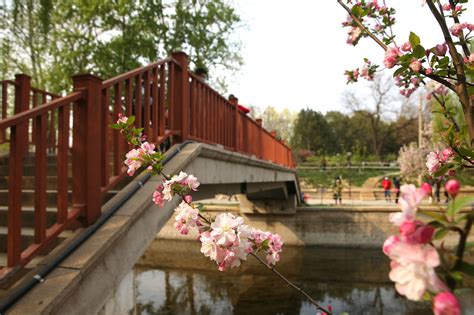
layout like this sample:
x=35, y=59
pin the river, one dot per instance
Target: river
x=174, y=278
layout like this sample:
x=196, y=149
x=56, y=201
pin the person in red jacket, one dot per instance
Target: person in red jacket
x=386, y=185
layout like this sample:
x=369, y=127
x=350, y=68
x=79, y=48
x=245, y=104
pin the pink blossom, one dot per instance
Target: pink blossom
x=470, y=27
x=388, y=244
x=391, y=57
x=429, y=71
x=441, y=49
x=410, y=197
x=122, y=118
x=452, y=186
x=353, y=35
x=446, y=7
x=223, y=228
x=188, y=198
x=456, y=29
x=147, y=148
x=208, y=245
x=133, y=161
x=415, y=65
x=186, y=217
x=158, y=196
x=432, y=162
x=192, y=182
x=427, y=188
x=272, y=258
x=406, y=46
x=471, y=58
x=445, y=303
x=413, y=269
x=446, y=154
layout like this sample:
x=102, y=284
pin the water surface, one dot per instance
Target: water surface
x=174, y=278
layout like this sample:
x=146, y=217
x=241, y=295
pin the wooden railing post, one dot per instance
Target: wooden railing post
x=260, y=136
x=181, y=96
x=235, y=101
x=18, y=149
x=86, y=147
x=22, y=102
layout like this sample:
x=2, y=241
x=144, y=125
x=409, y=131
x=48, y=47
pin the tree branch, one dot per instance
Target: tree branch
x=370, y=34
x=462, y=40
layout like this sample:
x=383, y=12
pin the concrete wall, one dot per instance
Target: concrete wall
x=332, y=227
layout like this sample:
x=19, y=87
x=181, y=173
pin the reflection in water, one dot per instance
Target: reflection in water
x=184, y=282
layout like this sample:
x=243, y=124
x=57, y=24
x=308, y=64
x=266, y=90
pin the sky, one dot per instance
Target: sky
x=295, y=52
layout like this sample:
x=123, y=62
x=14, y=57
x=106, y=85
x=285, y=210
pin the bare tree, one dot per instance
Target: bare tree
x=385, y=110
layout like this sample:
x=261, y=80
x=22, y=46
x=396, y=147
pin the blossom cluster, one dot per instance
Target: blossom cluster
x=457, y=28
x=225, y=239
x=135, y=158
x=413, y=258
x=176, y=184
x=435, y=160
x=412, y=59
x=367, y=72
x=229, y=241
x=375, y=17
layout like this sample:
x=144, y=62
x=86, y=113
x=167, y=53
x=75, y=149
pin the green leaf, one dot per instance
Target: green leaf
x=466, y=152
x=419, y=51
x=443, y=170
x=456, y=275
x=436, y=224
x=114, y=126
x=459, y=203
x=399, y=71
x=440, y=234
x=414, y=39
x=467, y=269
x=130, y=120
x=434, y=215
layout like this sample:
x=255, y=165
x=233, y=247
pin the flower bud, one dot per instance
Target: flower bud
x=188, y=198
x=452, y=186
x=427, y=188
x=445, y=303
x=441, y=49
x=424, y=234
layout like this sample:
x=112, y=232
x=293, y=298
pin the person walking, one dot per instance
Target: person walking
x=337, y=190
x=386, y=185
x=396, y=185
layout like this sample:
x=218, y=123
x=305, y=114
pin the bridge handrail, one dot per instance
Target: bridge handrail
x=170, y=102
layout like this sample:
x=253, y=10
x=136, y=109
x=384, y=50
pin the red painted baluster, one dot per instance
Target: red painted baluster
x=181, y=109
x=18, y=149
x=62, y=161
x=41, y=165
x=86, y=162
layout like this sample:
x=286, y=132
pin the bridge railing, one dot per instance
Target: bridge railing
x=19, y=253
x=169, y=102
x=37, y=97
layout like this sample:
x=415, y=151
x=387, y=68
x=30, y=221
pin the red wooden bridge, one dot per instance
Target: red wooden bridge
x=62, y=161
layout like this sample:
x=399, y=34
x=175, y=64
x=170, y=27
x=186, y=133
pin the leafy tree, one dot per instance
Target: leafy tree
x=280, y=121
x=378, y=112
x=53, y=40
x=311, y=131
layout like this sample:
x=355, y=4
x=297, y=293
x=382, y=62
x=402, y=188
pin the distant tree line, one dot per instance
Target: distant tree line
x=339, y=133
